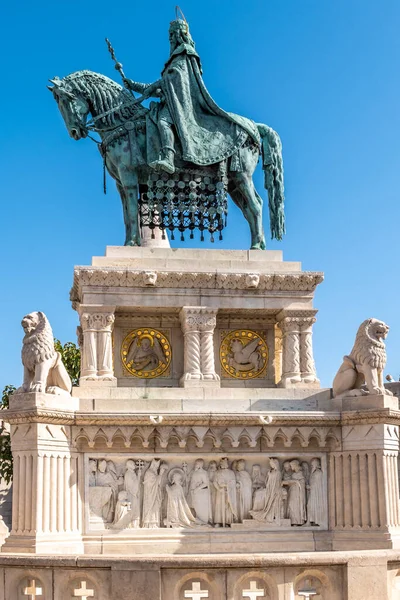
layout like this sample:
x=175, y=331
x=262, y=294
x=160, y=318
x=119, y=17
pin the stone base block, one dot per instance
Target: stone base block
x=96, y=383
x=184, y=542
x=302, y=385
x=54, y=543
x=370, y=402
x=199, y=383
x=366, y=540
x=31, y=400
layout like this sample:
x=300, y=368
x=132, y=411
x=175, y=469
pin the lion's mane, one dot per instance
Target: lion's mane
x=368, y=347
x=38, y=345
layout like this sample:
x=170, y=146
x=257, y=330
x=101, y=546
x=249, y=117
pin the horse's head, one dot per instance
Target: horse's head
x=73, y=105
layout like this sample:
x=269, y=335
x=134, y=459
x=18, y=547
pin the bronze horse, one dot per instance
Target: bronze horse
x=121, y=124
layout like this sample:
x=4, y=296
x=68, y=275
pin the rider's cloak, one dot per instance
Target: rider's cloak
x=207, y=133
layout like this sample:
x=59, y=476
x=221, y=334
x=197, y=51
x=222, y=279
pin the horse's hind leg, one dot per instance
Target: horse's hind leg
x=251, y=206
x=121, y=192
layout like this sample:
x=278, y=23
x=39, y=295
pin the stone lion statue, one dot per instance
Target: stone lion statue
x=44, y=370
x=361, y=372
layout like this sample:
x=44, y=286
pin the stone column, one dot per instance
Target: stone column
x=298, y=368
x=89, y=352
x=207, y=327
x=105, y=370
x=290, y=328
x=198, y=324
x=307, y=364
x=189, y=318
x=97, y=359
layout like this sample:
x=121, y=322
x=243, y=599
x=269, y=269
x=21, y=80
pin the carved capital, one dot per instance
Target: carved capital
x=97, y=321
x=199, y=318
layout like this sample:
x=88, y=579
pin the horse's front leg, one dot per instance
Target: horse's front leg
x=130, y=195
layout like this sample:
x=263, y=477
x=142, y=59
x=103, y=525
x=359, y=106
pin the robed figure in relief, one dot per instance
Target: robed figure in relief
x=131, y=481
x=316, y=504
x=271, y=511
x=178, y=510
x=225, y=498
x=199, y=498
x=152, y=494
x=296, y=502
x=244, y=491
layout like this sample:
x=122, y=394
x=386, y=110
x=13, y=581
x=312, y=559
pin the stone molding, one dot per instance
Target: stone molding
x=250, y=435
x=305, y=281
x=296, y=418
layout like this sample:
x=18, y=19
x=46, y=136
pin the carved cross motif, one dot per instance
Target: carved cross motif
x=83, y=593
x=196, y=593
x=307, y=592
x=140, y=464
x=32, y=591
x=253, y=592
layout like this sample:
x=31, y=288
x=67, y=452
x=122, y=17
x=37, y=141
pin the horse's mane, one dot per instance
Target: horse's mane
x=103, y=93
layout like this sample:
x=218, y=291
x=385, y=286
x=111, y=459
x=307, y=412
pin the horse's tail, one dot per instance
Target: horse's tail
x=273, y=178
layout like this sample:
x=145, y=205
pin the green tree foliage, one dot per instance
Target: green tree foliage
x=71, y=358
x=6, y=462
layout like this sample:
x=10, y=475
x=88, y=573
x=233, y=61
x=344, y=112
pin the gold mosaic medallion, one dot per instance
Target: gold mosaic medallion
x=146, y=353
x=243, y=354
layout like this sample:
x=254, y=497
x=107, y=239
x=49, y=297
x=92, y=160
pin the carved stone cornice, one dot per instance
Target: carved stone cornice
x=282, y=418
x=305, y=281
x=39, y=415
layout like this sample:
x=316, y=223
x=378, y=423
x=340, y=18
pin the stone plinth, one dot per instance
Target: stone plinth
x=198, y=301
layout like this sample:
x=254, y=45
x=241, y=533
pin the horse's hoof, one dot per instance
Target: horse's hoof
x=131, y=243
x=259, y=246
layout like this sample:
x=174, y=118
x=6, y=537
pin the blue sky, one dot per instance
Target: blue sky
x=323, y=73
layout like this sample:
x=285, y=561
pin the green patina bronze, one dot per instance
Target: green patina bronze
x=184, y=135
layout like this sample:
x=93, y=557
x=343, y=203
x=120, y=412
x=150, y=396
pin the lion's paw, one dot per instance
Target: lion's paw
x=39, y=388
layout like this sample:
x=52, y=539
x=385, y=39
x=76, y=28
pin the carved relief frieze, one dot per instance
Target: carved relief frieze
x=128, y=492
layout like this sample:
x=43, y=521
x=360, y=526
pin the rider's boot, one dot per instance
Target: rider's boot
x=166, y=162
x=167, y=137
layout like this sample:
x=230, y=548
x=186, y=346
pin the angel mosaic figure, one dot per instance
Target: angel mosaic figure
x=245, y=358
x=145, y=353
